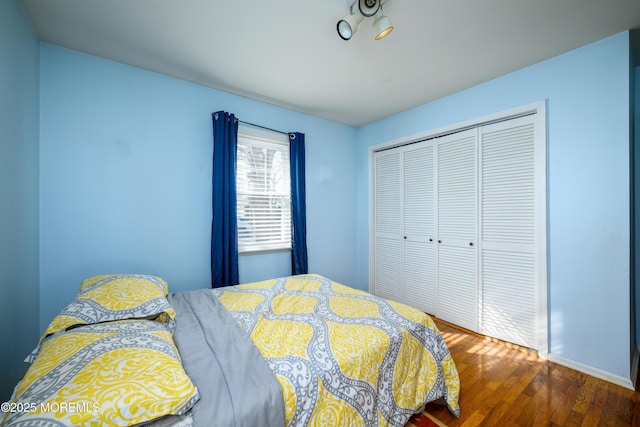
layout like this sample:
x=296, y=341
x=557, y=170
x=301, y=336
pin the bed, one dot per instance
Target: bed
x=297, y=351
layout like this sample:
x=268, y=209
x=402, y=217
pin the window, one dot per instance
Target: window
x=263, y=191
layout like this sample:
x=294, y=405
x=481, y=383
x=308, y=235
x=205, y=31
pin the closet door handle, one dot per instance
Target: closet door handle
x=439, y=241
x=470, y=243
x=431, y=240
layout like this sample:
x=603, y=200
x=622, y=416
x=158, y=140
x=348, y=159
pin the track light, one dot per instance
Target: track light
x=381, y=25
x=368, y=7
x=348, y=25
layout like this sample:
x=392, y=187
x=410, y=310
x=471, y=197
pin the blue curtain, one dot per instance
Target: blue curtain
x=224, y=225
x=299, y=263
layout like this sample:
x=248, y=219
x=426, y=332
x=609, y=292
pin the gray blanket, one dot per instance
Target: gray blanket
x=236, y=386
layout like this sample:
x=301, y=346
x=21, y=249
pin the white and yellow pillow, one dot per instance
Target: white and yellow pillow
x=116, y=297
x=116, y=373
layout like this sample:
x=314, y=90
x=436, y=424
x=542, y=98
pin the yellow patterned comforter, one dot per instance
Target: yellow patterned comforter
x=343, y=356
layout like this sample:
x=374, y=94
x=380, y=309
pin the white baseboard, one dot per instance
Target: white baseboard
x=594, y=372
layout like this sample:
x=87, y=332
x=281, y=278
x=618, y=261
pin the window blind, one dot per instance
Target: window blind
x=263, y=194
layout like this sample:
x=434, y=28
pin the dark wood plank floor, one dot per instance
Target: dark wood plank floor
x=507, y=385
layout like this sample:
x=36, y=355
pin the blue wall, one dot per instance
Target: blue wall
x=18, y=194
x=588, y=174
x=125, y=179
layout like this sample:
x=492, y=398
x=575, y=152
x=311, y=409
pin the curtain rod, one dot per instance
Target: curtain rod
x=263, y=127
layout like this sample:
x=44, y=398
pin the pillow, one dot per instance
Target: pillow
x=116, y=373
x=100, y=281
x=116, y=297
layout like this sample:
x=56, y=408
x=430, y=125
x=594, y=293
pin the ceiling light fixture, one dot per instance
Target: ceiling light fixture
x=381, y=25
x=348, y=25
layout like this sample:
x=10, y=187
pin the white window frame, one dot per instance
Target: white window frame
x=249, y=136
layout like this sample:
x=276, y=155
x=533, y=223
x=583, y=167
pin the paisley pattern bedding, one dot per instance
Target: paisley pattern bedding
x=344, y=356
x=119, y=373
x=116, y=297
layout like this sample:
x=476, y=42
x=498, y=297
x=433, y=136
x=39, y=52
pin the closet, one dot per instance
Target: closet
x=459, y=227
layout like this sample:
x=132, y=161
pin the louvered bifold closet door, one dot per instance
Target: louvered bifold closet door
x=419, y=226
x=508, y=237
x=388, y=225
x=457, y=225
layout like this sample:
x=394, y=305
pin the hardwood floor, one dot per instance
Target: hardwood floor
x=505, y=385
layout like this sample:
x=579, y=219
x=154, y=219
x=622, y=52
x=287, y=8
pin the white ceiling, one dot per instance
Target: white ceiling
x=288, y=53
